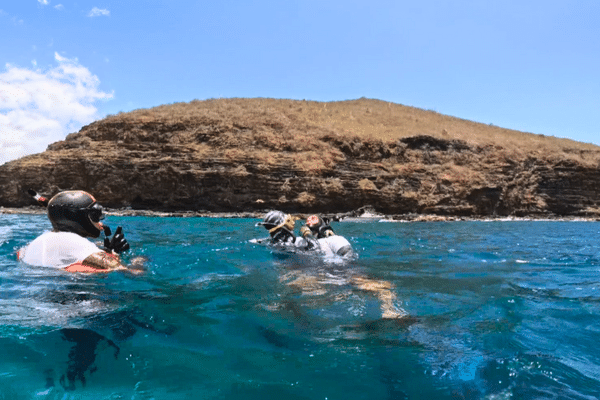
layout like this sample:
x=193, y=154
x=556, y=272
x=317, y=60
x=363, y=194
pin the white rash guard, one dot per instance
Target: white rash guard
x=57, y=249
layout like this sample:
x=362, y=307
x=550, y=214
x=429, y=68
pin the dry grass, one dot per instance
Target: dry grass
x=366, y=184
x=292, y=125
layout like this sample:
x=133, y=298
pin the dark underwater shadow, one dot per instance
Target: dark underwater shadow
x=115, y=318
x=82, y=355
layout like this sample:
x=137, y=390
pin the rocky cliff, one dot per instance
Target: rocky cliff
x=236, y=155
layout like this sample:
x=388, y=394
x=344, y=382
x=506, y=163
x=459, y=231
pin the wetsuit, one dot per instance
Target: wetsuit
x=293, y=242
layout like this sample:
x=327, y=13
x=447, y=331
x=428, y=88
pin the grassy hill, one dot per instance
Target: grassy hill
x=367, y=119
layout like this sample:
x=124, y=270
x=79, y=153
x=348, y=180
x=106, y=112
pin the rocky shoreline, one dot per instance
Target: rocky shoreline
x=357, y=216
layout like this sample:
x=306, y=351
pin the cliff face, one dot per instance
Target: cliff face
x=232, y=157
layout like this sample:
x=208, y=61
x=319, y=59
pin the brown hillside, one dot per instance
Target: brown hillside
x=366, y=119
x=255, y=154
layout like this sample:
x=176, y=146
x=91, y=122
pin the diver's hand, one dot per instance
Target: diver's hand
x=117, y=243
x=311, y=242
x=305, y=231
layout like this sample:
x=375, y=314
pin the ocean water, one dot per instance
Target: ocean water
x=495, y=310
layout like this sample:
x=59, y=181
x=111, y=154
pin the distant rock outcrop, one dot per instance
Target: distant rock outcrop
x=242, y=155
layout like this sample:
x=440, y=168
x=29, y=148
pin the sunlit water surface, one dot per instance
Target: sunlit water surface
x=498, y=310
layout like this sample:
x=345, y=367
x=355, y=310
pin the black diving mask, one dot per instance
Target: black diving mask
x=96, y=213
x=282, y=235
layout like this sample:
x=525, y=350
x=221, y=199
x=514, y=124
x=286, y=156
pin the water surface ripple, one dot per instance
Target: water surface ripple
x=497, y=310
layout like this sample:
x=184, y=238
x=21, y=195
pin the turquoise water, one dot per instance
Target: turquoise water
x=498, y=310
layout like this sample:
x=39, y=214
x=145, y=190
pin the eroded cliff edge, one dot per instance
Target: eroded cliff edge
x=238, y=155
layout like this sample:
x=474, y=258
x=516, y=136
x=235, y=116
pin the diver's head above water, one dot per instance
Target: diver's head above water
x=280, y=227
x=76, y=211
x=319, y=227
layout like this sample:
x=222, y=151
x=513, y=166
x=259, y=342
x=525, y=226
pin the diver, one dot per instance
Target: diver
x=318, y=237
x=319, y=226
x=281, y=232
x=328, y=241
x=75, y=216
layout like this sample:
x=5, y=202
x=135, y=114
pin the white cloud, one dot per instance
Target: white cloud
x=98, y=12
x=59, y=7
x=41, y=107
x=43, y=2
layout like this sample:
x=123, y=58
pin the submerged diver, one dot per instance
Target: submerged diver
x=75, y=216
x=318, y=236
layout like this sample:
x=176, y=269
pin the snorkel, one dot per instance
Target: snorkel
x=40, y=199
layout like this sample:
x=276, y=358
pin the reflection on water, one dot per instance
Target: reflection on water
x=488, y=311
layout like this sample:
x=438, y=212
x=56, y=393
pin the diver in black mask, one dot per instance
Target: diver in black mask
x=329, y=242
x=75, y=216
x=281, y=231
x=316, y=235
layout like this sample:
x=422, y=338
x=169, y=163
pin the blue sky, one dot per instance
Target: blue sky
x=533, y=66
